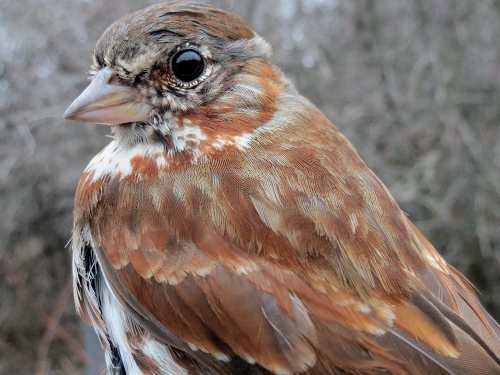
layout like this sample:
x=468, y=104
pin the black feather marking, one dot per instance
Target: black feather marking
x=94, y=278
x=161, y=33
x=239, y=366
x=117, y=367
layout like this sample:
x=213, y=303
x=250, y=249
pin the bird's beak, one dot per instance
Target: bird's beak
x=107, y=102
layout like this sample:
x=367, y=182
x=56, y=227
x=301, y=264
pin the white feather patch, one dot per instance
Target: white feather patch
x=115, y=159
x=119, y=325
x=187, y=137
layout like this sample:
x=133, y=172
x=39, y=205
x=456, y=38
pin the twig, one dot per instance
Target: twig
x=16, y=281
x=48, y=336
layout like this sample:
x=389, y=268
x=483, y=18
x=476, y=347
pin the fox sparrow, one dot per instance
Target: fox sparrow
x=229, y=228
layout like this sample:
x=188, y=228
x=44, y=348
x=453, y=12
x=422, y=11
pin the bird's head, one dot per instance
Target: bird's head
x=187, y=75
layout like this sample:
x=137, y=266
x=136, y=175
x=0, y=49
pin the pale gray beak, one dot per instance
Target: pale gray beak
x=107, y=102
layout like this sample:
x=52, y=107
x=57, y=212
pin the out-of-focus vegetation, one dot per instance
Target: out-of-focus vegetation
x=413, y=84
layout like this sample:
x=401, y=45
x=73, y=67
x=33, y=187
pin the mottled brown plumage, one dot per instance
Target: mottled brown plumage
x=229, y=228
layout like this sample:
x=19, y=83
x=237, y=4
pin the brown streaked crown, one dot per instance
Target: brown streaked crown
x=138, y=31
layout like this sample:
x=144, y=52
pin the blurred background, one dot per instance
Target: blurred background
x=413, y=84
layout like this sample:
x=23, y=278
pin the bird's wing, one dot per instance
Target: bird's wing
x=304, y=262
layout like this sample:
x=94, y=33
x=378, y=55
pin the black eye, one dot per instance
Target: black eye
x=187, y=65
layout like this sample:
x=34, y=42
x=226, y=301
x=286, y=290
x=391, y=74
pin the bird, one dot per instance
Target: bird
x=229, y=227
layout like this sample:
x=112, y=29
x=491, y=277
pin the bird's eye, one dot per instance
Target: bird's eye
x=187, y=65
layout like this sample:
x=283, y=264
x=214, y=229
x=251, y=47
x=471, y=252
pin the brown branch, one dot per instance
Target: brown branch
x=16, y=281
x=50, y=331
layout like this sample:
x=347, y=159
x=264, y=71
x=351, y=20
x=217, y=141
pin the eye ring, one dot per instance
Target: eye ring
x=187, y=65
